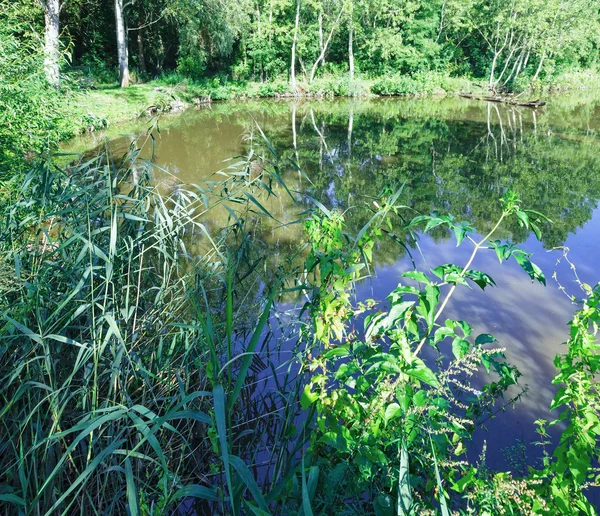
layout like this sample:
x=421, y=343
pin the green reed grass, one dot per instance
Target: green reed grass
x=115, y=361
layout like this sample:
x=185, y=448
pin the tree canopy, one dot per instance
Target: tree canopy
x=503, y=41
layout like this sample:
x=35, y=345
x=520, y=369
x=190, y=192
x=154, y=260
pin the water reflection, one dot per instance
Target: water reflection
x=451, y=155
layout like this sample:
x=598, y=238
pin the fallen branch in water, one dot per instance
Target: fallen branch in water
x=505, y=100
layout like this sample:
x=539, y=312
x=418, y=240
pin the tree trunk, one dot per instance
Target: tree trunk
x=293, y=61
x=141, y=56
x=321, y=35
x=539, y=68
x=351, y=50
x=122, y=45
x=51, y=48
x=324, y=47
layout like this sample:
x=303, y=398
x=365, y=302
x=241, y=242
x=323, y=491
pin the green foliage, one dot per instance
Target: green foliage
x=391, y=42
x=379, y=405
x=115, y=364
x=418, y=84
x=31, y=112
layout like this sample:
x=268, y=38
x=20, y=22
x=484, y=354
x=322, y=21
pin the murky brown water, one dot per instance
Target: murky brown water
x=452, y=155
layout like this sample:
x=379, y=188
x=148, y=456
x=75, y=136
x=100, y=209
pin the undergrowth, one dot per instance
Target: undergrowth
x=136, y=336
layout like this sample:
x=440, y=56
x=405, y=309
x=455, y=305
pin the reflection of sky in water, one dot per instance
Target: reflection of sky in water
x=444, y=149
x=529, y=320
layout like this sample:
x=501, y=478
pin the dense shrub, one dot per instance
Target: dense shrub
x=31, y=111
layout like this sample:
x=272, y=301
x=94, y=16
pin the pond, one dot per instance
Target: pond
x=452, y=155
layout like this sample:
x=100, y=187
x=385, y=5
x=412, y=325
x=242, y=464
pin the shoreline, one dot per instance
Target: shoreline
x=100, y=108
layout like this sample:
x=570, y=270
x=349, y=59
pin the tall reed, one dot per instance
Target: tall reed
x=117, y=342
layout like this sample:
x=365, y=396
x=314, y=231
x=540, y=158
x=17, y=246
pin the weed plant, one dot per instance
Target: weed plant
x=133, y=369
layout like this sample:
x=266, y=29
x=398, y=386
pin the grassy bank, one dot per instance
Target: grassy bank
x=108, y=105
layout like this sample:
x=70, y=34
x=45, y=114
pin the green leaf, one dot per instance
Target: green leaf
x=534, y=272
x=432, y=297
x=308, y=397
x=397, y=312
x=460, y=347
x=12, y=498
x=460, y=232
x=417, y=276
x=480, y=278
x=248, y=478
x=383, y=505
x=306, y=508
x=197, y=491
x=420, y=371
x=523, y=218
x=441, y=333
x=340, y=351
x=219, y=400
x=249, y=352
x=132, y=495
x=392, y=411
x=485, y=338
x=537, y=231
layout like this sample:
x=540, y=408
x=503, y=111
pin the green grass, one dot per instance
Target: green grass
x=116, y=363
x=110, y=105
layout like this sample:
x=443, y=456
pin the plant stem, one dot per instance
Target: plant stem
x=462, y=273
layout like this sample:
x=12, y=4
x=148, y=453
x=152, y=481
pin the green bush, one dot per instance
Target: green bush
x=32, y=114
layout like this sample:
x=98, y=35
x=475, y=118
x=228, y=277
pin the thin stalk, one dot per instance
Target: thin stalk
x=478, y=246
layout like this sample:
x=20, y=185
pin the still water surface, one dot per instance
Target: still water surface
x=451, y=155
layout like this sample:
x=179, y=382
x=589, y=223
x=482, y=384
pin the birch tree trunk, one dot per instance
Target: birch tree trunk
x=539, y=68
x=351, y=50
x=51, y=43
x=324, y=47
x=122, y=45
x=293, y=60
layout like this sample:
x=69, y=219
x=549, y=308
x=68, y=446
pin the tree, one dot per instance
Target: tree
x=122, y=45
x=51, y=40
x=324, y=44
x=294, y=43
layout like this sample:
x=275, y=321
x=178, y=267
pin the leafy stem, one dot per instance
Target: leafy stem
x=477, y=247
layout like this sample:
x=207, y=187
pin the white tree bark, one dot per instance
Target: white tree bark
x=351, y=50
x=293, y=60
x=122, y=45
x=539, y=68
x=324, y=47
x=51, y=46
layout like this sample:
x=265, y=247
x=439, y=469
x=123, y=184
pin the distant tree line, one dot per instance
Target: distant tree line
x=504, y=41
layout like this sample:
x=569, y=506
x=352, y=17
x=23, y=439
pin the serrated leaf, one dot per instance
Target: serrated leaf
x=485, y=338
x=417, y=276
x=460, y=347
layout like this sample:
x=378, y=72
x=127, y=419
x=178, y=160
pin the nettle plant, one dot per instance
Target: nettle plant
x=392, y=426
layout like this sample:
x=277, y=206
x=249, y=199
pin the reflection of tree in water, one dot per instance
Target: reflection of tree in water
x=452, y=155
x=452, y=165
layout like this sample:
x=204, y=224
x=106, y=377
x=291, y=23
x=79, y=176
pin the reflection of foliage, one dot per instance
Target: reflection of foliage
x=453, y=155
x=451, y=163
